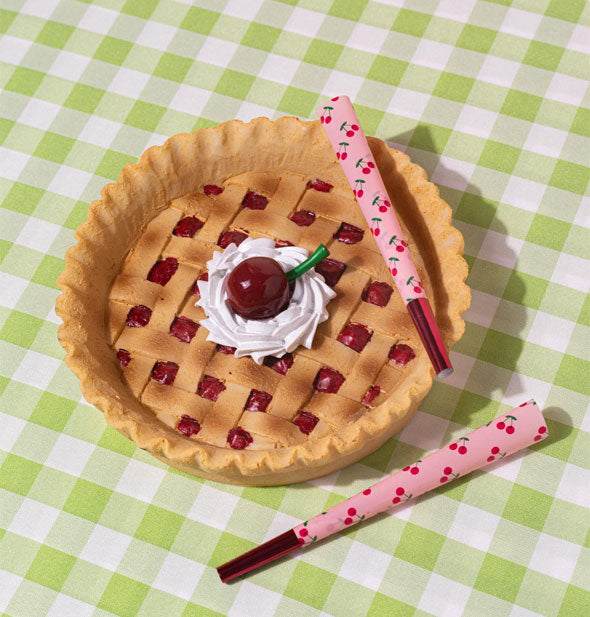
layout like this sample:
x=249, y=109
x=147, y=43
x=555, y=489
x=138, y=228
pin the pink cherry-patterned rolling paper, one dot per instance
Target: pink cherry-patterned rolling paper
x=356, y=159
x=499, y=438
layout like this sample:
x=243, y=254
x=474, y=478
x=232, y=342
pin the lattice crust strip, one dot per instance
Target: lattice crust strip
x=207, y=393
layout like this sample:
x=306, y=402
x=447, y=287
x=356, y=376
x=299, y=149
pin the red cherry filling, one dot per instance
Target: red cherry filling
x=331, y=270
x=124, y=357
x=303, y=218
x=349, y=234
x=238, y=438
x=254, y=201
x=306, y=422
x=138, y=316
x=203, y=277
x=212, y=189
x=328, y=380
x=184, y=329
x=320, y=185
x=377, y=293
x=165, y=372
x=226, y=349
x=371, y=394
x=162, y=271
x=227, y=237
x=401, y=354
x=280, y=365
x=188, y=426
x=257, y=288
x=210, y=388
x=282, y=243
x=355, y=336
x=187, y=227
x=258, y=400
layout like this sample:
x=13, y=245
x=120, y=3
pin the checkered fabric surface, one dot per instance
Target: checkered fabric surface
x=491, y=98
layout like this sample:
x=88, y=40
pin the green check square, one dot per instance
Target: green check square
x=145, y=116
x=548, y=231
x=52, y=411
x=234, y=84
x=453, y=87
x=411, y=22
x=384, y=605
x=476, y=38
x=139, y=8
x=114, y=441
x=298, y=102
x=310, y=585
x=194, y=610
x=54, y=34
x=228, y=547
x=521, y=105
x=18, y=474
x=419, y=546
x=87, y=500
x=48, y=271
x=474, y=410
x=430, y=138
x=581, y=123
x=369, y=118
x=6, y=19
x=348, y=9
x=84, y=98
x=54, y=147
x=543, y=55
x=573, y=374
x=113, y=51
x=270, y=496
x=5, y=128
x=323, y=53
x=500, y=349
x=22, y=198
x=78, y=214
x=159, y=527
x=518, y=507
x=570, y=177
x=50, y=568
x=576, y=602
x=24, y=81
x=112, y=164
x=261, y=36
x=123, y=596
x=173, y=67
x=476, y=210
x=525, y=289
x=20, y=329
x=499, y=156
x=569, y=11
x=499, y=577
x=387, y=70
x=199, y=20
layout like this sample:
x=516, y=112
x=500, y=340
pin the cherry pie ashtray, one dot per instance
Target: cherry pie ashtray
x=133, y=333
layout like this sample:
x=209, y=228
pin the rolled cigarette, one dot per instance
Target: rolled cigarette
x=488, y=444
x=356, y=159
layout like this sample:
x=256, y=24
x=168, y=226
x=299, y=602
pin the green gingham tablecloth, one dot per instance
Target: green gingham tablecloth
x=491, y=98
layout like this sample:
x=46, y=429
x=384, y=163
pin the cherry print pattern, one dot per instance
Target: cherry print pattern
x=365, y=165
x=448, y=473
x=382, y=203
x=342, y=155
x=326, y=116
x=393, y=261
x=349, y=129
x=358, y=190
x=415, y=284
x=494, y=452
x=375, y=229
x=507, y=424
x=400, y=492
x=460, y=445
x=541, y=433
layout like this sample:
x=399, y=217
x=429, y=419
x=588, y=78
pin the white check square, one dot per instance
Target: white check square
x=572, y=272
x=279, y=69
x=408, y=103
x=474, y=527
x=9, y=583
x=99, y=131
x=302, y=21
x=64, y=606
x=156, y=35
x=522, y=387
x=39, y=8
x=12, y=289
x=12, y=49
x=12, y=163
x=254, y=601
x=483, y=308
x=567, y=89
x=12, y=427
x=38, y=234
x=582, y=217
x=190, y=100
x=39, y=114
x=34, y=520
x=555, y=557
x=342, y=83
x=444, y=597
x=36, y=370
x=105, y=547
x=580, y=39
x=550, y=331
x=245, y=10
x=140, y=480
x=69, y=455
x=452, y=173
x=179, y=576
x=500, y=249
x=574, y=485
x=98, y=19
x=129, y=83
x=524, y=194
x=248, y=111
x=365, y=566
x=217, y=52
x=456, y=11
x=70, y=182
x=367, y=38
x=462, y=366
x=521, y=23
x=476, y=121
x=213, y=507
x=498, y=71
x=425, y=431
x=432, y=54
x=69, y=66
x=545, y=140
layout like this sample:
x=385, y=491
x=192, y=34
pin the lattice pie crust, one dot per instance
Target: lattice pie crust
x=131, y=328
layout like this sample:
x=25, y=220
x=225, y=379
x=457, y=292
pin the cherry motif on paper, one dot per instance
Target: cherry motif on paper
x=352, y=150
x=483, y=446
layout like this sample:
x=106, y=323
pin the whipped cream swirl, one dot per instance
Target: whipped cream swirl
x=294, y=326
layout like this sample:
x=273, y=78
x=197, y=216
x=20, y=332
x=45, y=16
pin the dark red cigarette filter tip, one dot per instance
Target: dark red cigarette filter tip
x=427, y=327
x=269, y=551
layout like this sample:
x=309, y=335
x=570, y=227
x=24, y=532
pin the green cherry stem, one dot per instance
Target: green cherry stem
x=320, y=253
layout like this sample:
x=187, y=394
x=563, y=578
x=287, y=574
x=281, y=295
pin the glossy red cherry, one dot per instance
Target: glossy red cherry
x=257, y=288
